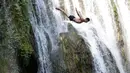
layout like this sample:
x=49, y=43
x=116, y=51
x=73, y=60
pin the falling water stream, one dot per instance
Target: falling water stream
x=100, y=29
x=124, y=16
x=99, y=32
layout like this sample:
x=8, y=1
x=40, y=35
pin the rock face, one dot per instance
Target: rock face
x=16, y=38
x=76, y=54
x=17, y=43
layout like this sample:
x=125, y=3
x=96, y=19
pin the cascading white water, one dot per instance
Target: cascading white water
x=104, y=33
x=40, y=35
x=99, y=32
x=124, y=16
x=109, y=32
x=47, y=24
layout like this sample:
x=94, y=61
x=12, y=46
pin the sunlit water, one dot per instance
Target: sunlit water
x=100, y=29
x=99, y=33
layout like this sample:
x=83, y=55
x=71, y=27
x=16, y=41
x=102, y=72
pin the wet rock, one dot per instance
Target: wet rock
x=76, y=54
x=17, y=53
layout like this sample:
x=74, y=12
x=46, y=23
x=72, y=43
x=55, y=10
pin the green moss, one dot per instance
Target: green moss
x=3, y=65
x=16, y=37
x=3, y=41
x=22, y=29
x=115, y=12
x=3, y=31
x=76, y=54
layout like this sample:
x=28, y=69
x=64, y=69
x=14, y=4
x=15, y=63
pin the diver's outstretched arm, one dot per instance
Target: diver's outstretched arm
x=78, y=13
x=62, y=11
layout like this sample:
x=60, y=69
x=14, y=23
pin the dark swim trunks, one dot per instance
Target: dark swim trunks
x=71, y=17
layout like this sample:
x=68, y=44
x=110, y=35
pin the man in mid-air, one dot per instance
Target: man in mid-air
x=72, y=18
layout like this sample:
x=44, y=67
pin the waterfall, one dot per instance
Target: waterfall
x=47, y=24
x=125, y=20
x=41, y=35
x=99, y=32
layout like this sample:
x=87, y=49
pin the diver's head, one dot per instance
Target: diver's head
x=87, y=19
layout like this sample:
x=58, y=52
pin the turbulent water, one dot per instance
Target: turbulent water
x=99, y=32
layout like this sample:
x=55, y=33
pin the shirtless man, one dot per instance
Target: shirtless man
x=72, y=18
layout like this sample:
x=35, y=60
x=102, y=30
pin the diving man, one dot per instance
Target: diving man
x=72, y=18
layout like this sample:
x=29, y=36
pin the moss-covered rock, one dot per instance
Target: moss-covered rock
x=75, y=52
x=16, y=38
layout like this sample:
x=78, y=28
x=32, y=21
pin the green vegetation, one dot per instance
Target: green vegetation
x=16, y=36
x=22, y=26
x=3, y=41
x=3, y=65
